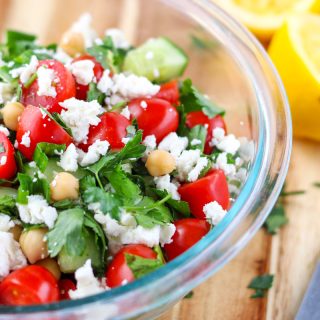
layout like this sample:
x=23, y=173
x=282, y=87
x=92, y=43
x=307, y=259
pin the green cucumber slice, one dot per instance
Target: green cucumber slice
x=157, y=59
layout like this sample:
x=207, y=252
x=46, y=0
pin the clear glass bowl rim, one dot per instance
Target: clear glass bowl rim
x=212, y=239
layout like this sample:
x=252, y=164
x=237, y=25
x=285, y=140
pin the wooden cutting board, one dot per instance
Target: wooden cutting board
x=291, y=255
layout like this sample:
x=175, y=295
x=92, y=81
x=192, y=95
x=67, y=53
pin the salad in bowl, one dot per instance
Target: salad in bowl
x=111, y=163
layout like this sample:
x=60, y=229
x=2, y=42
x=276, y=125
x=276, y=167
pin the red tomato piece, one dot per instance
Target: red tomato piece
x=8, y=165
x=81, y=90
x=212, y=187
x=198, y=117
x=64, y=84
x=38, y=128
x=170, y=92
x=188, y=232
x=159, y=117
x=118, y=271
x=65, y=285
x=112, y=127
x=29, y=285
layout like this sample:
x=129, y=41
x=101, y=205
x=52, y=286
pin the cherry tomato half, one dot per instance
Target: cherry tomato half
x=38, y=128
x=188, y=232
x=81, y=90
x=158, y=117
x=65, y=285
x=170, y=92
x=212, y=187
x=8, y=165
x=112, y=127
x=118, y=271
x=29, y=285
x=198, y=117
x=64, y=84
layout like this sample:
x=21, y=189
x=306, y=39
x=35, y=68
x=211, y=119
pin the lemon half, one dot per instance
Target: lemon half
x=264, y=17
x=295, y=51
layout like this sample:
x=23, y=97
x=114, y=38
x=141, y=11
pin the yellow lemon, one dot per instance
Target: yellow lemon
x=295, y=51
x=264, y=17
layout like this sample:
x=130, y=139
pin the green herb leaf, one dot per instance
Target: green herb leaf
x=177, y=205
x=193, y=100
x=18, y=42
x=67, y=232
x=141, y=266
x=198, y=132
x=58, y=119
x=94, y=94
x=45, y=149
x=261, y=284
x=108, y=202
x=86, y=182
x=276, y=219
x=65, y=204
x=8, y=205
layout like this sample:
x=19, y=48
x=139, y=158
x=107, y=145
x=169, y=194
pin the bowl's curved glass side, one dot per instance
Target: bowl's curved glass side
x=267, y=122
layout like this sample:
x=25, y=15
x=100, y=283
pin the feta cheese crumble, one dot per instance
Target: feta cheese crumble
x=194, y=174
x=6, y=92
x=5, y=223
x=105, y=83
x=37, y=211
x=97, y=149
x=11, y=256
x=214, y=212
x=83, y=71
x=131, y=233
x=87, y=283
x=163, y=183
x=118, y=38
x=46, y=77
x=173, y=144
x=126, y=112
x=195, y=142
x=229, y=143
x=222, y=163
x=69, y=159
x=186, y=162
x=79, y=115
x=25, y=140
x=150, y=142
x=26, y=71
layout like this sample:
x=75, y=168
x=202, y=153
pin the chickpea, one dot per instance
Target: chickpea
x=11, y=113
x=16, y=231
x=51, y=265
x=160, y=162
x=64, y=186
x=33, y=244
x=72, y=43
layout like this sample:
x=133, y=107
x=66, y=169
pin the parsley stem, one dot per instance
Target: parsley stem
x=99, y=181
x=31, y=80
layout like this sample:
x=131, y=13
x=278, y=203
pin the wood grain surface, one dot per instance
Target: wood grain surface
x=291, y=255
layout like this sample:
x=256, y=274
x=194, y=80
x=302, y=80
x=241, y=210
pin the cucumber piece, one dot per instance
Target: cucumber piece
x=6, y=191
x=51, y=170
x=157, y=59
x=69, y=264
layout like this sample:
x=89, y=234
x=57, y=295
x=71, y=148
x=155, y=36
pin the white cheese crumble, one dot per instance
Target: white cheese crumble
x=105, y=83
x=69, y=159
x=150, y=142
x=3, y=160
x=83, y=26
x=222, y=163
x=5, y=223
x=79, y=116
x=133, y=234
x=11, y=256
x=118, y=38
x=194, y=174
x=83, y=71
x=229, y=143
x=4, y=130
x=37, y=211
x=6, y=92
x=87, y=283
x=163, y=183
x=62, y=56
x=46, y=77
x=246, y=150
x=126, y=112
x=186, y=162
x=195, y=142
x=97, y=149
x=25, y=140
x=173, y=144
x=26, y=71
x=214, y=212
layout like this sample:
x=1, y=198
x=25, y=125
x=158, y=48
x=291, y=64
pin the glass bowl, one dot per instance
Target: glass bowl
x=229, y=65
